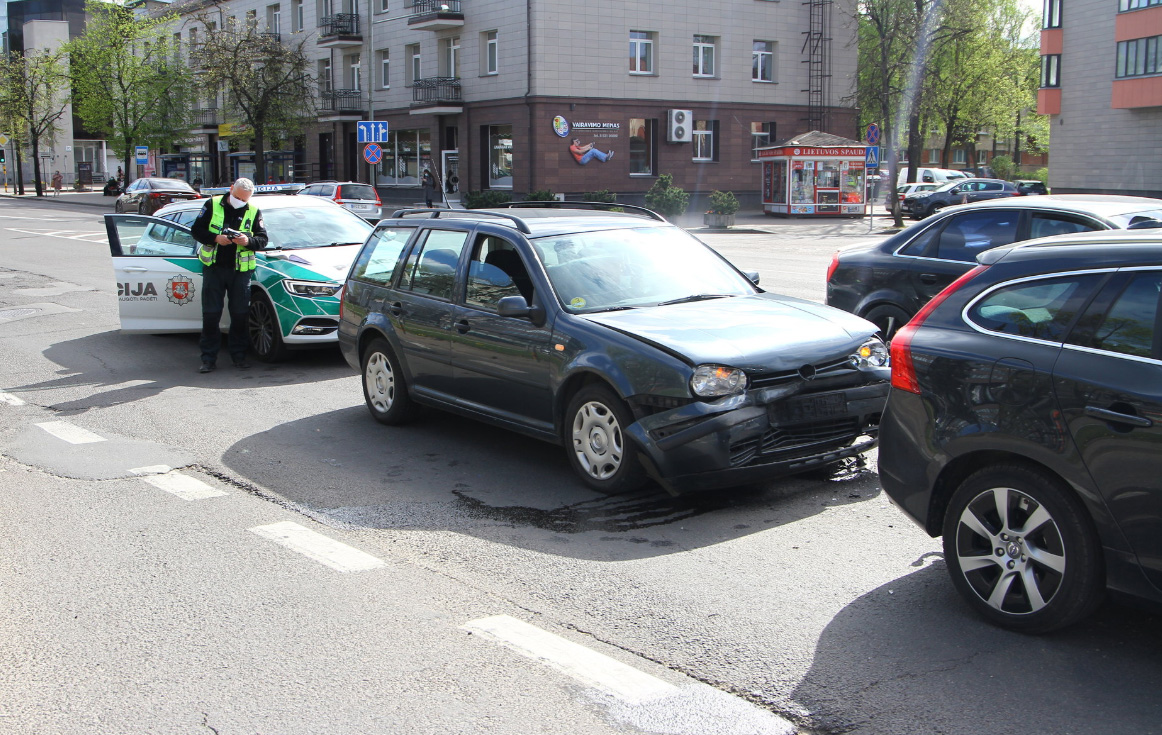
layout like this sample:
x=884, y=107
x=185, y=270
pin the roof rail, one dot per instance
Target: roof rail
x=435, y=213
x=608, y=206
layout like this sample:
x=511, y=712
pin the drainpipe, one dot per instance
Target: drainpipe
x=532, y=138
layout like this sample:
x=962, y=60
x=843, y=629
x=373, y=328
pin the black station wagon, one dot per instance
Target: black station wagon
x=618, y=335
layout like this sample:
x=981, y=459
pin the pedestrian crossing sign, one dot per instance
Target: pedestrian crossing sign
x=872, y=156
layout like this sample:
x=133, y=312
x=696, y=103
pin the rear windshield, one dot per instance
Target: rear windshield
x=169, y=184
x=356, y=191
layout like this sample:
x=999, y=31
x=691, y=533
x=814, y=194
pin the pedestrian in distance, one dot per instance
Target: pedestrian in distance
x=57, y=183
x=429, y=183
x=229, y=230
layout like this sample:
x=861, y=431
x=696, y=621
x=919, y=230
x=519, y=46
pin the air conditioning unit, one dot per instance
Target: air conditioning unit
x=680, y=126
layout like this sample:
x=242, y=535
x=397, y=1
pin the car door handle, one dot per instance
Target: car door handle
x=396, y=308
x=462, y=326
x=135, y=269
x=1119, y=418
x=928, y=278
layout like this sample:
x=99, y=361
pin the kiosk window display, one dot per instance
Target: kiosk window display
x=803, y=179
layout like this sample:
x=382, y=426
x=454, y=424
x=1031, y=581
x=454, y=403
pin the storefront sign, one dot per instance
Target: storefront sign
x=562, y=127
x=816, y=152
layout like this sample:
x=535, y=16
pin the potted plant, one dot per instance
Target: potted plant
x=723, y=205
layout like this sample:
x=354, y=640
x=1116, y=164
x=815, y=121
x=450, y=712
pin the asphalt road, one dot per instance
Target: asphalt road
x=182, y=601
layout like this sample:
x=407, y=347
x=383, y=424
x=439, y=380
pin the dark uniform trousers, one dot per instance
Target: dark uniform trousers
x=218, y=284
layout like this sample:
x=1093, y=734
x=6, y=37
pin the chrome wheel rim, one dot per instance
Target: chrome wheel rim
x=1010, y=551
x=261, y=327
x=597, y=440
x=379, y=379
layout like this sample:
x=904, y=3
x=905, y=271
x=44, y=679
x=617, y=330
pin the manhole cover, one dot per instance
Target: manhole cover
x=16, y=313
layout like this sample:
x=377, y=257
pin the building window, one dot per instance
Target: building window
x=1137, y=4
x=499, y=156
x=450, y=57
x=413, y=53
x=762, y=134
x=251, y=20
x=1135, y=59
x=643, y=141
x=705, y=141
x=405, y=155
x=384, y=69
x=763, y=62
x=704, y=56
x=641, y=52
x=274, y=19
x=933, y=155
x=1051, y=17
x=982, y=158
x=382, y=6
x=1051, y=69
x=353, y=64
x=958, y=155
x=489, y=61
x=298, y=21
x=325, y=81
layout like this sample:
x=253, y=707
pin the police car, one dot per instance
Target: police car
x=293, y=300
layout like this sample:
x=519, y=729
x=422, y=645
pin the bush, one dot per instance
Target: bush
x=485, y=199
x=542, y=195
x=722, y=202
x=665, y=198
x=605, y=196
x=1003, y=167
x=1042, y=175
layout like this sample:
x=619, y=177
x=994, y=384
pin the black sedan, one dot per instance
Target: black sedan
x=147, y=195
x=961, y=191
x=620, y=336
x=887, y=282
x=1024, y=423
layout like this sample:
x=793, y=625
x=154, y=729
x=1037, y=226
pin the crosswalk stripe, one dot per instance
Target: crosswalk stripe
x=583, y=664
x=318, y=547
x=70, y=433
x=183, y=486
x=10, y=399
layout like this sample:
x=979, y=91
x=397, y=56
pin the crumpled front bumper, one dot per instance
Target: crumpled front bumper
x=761, y=434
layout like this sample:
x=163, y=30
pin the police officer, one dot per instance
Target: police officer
x=229, y=229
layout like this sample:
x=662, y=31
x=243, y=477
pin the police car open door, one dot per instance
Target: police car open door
x=159, y=276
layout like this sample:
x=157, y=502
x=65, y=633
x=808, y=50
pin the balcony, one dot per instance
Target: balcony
x=435, y=15
x=340, y=31
x=341, y=105
x=436, y=96
x=206, y=119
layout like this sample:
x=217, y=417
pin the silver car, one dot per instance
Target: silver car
x=362, y=199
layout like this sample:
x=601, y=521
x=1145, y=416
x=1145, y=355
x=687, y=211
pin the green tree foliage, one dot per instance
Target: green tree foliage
x=34, y=95
x=1004, y=167
x=131, y=83
x=267, y=83
x=665, y=198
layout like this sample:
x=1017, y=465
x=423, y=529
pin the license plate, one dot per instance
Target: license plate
x=811, y=408
x=361, y=206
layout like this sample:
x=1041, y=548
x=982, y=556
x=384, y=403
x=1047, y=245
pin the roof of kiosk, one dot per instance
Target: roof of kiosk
x=818, y=139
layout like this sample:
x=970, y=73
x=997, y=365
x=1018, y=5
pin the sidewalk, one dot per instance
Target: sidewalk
x=748, y=222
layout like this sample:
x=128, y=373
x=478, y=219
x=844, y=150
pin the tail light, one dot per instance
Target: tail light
x=338, y=194
x=377, y=202
x=154, y=195
x=834, y=264
x=903, y=371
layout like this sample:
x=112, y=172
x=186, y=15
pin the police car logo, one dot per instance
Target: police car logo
x=180, y=290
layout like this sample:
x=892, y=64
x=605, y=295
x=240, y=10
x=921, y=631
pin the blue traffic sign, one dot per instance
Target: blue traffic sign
x=872, y=156
x=372, y=132
x=141, y=155
x=873, y=134
x=372, y=153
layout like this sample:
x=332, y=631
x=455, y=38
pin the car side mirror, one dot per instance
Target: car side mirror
x=752, y=276
x=1146, y=224
x=518, y=308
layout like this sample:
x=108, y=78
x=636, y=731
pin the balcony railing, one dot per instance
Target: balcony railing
x=340, y=24
x=206, y=118
x=434, y=6
x=342, y=100
x=435, y=90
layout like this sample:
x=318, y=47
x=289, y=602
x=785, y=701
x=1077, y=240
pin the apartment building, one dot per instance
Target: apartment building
x=1101, y=85
x=549, y=95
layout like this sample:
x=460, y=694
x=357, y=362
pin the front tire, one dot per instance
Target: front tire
x=265, y=331
x=599, y=451
x=935, y=208
x=1022, y=550
x=117, y=208
x=384, y=388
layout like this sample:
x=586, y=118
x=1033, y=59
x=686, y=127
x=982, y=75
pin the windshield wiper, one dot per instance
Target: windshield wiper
x=696, y=297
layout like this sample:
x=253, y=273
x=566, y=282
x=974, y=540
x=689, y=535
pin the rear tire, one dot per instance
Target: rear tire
x=1022, y=550
x=888, y=319
x=385, y=389
x=600, y=452
x=265, y=331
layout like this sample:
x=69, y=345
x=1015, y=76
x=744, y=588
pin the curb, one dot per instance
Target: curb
x=72, y=199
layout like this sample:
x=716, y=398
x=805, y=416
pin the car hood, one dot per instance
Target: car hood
x=763, y=331
x=312, y=264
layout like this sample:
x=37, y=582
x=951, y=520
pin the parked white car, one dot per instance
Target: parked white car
x=904, y=190
x=929, y=175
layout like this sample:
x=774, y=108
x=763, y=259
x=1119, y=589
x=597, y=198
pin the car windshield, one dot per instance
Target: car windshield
x=170, y=184
x=313, y=227
x=625, y=268
x=1132, y=218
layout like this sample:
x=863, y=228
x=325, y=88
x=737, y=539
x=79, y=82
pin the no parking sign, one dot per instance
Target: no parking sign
x=372, y=153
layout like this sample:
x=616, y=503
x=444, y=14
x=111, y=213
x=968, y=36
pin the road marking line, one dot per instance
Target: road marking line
x=10, y=399
x=71, y=433
x=183, y=486
x=318, y=547
x=153, y=469
x=583, y=664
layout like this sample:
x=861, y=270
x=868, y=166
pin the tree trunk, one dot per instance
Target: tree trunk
x=16, y=146
x=36, y=172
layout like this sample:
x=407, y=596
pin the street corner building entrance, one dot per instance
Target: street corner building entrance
x=815, y=173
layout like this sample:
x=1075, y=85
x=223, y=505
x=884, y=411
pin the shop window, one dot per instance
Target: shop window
x=763, y=61
x=643, y=140
x=641, y=52
x=704, y=49
x=762, y=134
x=499, y=156
x=775, y=182
x=705, y=140
x=803, y=182
x=405, y=155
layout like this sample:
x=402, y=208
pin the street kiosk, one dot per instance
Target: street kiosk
x=813, y=174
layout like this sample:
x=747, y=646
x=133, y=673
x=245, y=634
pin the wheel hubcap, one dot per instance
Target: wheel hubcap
x=1010, y=551
x=380, y=382
x=597, y=440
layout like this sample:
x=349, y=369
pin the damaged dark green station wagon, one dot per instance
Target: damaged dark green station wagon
x=616, y=334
